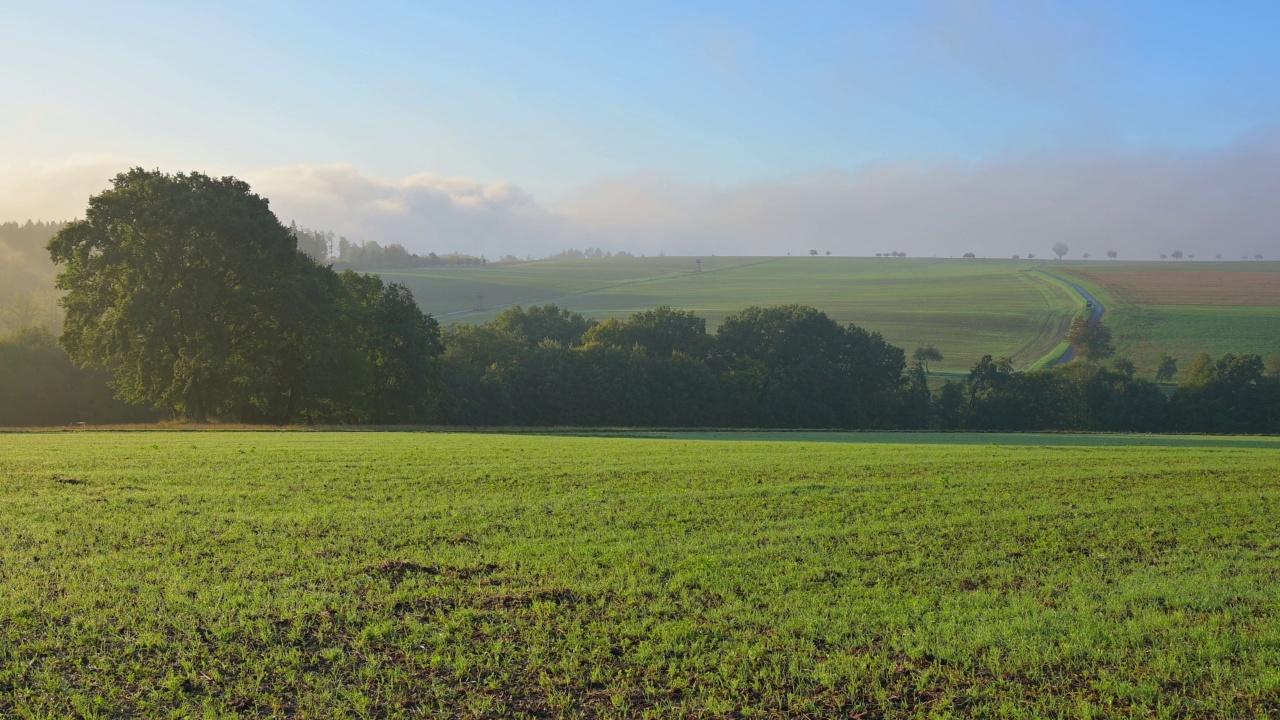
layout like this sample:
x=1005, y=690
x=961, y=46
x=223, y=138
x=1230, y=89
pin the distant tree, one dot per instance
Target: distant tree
x=987, y=377
x=970, y=255
x=1060, y=249
x=925, y=355
x=813, y=252
x=1191, y=257
x=1124, y=366
x=1112, y=254
x=828, y=253
x=1031, y=256
x=24, y=311
x=1258, y=256
x=1218, y=256
x=1091, y=339
x=1085, y=256
x=879, y=254
x=1163, y=256
x=1017, y=257
x=1167, y=368
x=1177, y=254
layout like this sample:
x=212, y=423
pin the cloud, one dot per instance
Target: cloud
x=422, y=212
x=1207, y=202
x=1140, y=205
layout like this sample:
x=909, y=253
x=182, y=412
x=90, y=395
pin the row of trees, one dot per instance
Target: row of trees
x=26, y=276
x=1061, y=249
x=325, y=247
x=590, y=253
x=779, y=367
x=1233, y=394
x=788, y=366
x=794, y=367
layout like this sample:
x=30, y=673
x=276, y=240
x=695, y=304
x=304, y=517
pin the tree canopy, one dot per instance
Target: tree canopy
x=199, y=301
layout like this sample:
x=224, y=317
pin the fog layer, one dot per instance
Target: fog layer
x=1210, y=202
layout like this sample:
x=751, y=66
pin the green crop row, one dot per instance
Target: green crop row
x=317, y=574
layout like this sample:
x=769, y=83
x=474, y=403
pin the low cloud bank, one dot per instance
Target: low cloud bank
x=423, y=212
x=1143, y=205
x=1209, y=202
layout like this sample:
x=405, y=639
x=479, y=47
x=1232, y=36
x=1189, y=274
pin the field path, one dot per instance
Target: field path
x=1098, y=310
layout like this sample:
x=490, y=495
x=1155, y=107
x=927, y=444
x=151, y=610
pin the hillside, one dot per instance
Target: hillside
x=966, y=308
x=1186, y=308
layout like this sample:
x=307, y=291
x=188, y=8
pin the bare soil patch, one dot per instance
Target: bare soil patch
x=1188, y=287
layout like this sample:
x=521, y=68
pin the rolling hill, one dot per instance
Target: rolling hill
x=965, y=308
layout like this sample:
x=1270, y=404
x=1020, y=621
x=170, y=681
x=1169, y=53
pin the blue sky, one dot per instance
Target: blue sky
x=555, y=98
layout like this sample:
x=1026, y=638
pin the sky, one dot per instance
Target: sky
x=932, y=127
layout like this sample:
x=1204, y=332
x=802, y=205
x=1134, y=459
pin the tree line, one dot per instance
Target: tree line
x=794, y=367
x=186, y=297
x=26, y=276
x=777, y=367
x=327, y=247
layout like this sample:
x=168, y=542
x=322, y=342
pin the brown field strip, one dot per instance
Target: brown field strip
x=1188, y=287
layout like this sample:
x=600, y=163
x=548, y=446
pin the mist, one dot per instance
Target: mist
x=1140, y=205
x=1217, y=201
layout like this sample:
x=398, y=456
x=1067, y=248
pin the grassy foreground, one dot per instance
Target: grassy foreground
x=403, y=574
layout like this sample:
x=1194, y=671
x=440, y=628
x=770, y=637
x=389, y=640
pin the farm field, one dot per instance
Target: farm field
x=965, y=308
x=1186, y=308
x=367, y=574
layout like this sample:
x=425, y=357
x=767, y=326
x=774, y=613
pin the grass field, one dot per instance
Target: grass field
x=965, y=308
x=1186, y=308
x=411, y=574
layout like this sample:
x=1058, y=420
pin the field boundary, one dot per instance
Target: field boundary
x=588, y=291
x=1041, y=438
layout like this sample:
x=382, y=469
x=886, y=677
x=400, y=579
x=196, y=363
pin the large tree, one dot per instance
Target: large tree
x=400, y=343
x=180, y=284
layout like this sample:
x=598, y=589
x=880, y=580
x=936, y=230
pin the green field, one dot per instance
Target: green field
x=965, y=308
x=1213, y=307
x=313, y=574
